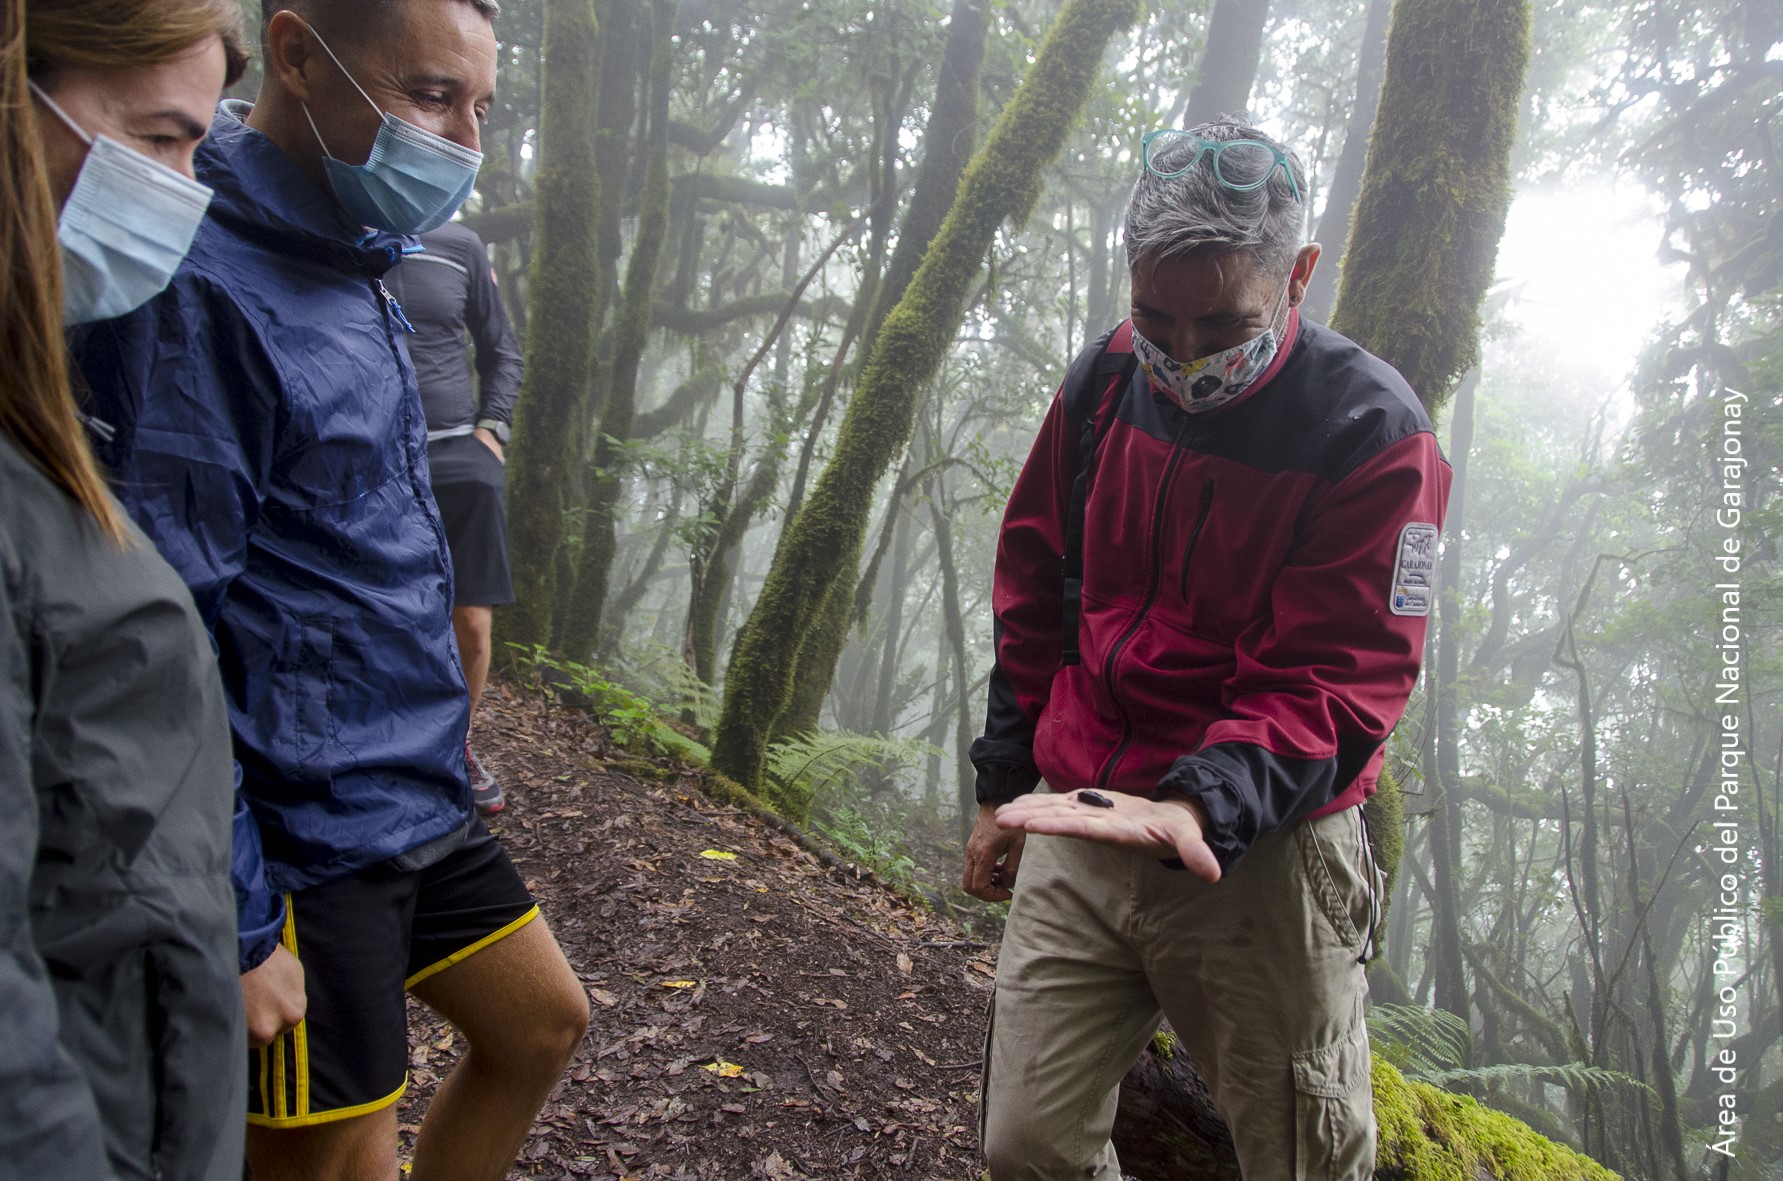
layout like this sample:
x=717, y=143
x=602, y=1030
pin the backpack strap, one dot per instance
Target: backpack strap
x=1085, y=394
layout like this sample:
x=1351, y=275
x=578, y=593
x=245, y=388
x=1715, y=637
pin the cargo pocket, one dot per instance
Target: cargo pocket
x=1334, y=1112
x=1336, y=868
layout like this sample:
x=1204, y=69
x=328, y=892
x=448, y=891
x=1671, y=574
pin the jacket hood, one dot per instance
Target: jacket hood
x=263, y=195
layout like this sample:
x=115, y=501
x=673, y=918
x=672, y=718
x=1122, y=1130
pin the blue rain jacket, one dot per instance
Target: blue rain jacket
x=262, y=421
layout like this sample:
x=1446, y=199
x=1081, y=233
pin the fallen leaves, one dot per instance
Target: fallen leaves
x=849, y=1083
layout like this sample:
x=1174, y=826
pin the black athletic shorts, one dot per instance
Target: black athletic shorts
x=467, y=484
x=364, y=940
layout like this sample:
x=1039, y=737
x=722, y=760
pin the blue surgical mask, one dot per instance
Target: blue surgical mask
x=124, y=229
x=413, y=180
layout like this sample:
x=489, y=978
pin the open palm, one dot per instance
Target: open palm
x=1139, y=825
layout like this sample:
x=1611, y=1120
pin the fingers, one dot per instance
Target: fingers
x=266, y=1025
x=261, y=1033
x=991, y=857
x=1067, y=809
x=1199, y=860
x=1012, y=859
x=977, y=875
x=1132, y=823
x=984, y=875
x=273, y=997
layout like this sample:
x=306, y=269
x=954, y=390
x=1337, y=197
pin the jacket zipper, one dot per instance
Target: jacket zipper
x=392, y=308
x=1194, y=536
x=1151, y=596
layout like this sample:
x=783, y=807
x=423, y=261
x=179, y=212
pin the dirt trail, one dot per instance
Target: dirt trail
x=756, y=1012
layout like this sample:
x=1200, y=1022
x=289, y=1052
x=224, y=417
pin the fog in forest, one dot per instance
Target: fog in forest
x=797, y=283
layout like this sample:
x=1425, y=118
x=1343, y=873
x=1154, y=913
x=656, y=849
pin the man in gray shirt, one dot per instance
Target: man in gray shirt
x=445, y=290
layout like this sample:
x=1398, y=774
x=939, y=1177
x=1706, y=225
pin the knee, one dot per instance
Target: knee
x=540, y=1043
x=475, y=626
x=561, y=1024
x=1017, y=1148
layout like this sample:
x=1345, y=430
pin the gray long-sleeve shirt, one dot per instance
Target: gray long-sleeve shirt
x=445, y=290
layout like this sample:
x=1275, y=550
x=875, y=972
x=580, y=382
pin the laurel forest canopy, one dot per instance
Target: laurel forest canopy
x=797, y=282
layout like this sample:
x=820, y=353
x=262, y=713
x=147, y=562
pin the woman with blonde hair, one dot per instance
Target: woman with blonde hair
x=120, y=1007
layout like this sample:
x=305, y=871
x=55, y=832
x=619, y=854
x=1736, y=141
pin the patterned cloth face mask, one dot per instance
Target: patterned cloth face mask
x=1214, y=380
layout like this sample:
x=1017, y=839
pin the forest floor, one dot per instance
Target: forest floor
x=756, y=1012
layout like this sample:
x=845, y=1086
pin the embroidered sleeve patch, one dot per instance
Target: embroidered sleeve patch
x=1414, y=570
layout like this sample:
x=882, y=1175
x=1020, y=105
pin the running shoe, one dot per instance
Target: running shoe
x=486, y=793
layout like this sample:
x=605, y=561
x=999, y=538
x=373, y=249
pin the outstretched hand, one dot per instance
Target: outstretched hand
x=1171, y=828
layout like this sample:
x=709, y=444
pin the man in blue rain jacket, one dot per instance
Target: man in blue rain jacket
x=262, y=420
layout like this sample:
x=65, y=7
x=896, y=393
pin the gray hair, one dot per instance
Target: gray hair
x=1195, y=212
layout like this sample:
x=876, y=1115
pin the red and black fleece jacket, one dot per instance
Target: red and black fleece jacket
x=1256, y=584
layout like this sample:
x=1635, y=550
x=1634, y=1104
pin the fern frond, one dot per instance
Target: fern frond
x=803, y=766
x=1419, y=1041
x=1575, y=1076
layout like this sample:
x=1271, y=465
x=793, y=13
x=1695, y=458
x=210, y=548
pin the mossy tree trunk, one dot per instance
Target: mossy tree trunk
x=947, y=145
x=1346, y=178
x=563, y=308
x=631, y=332
x=713, y=561
x=1435, y=191
x=1442, y=763
x=1424, y=1134
x=948, y=142
x=625, y=56
x=955, y=623
x=822, y=544
x=1229, y=63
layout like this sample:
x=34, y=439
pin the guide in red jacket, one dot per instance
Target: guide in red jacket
x=1212, y=586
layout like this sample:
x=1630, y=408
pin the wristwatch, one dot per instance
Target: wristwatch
x=500, y=430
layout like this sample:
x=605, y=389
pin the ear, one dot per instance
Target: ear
x=292, y=56
x=1304, y=264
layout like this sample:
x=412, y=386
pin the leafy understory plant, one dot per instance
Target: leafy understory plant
x=807, y=767
x=635, y=721
x=1431, y=1045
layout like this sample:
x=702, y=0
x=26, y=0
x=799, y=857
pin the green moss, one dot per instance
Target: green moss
x=643, y=769
x=1164, y=1044
x=1436, y=189
x=631, y=332
x=1385, y=811
x=1430, y=1135
x=563, y=298
x=726, y=790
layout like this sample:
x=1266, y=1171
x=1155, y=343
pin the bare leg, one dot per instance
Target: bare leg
x=522, y=1012
x=473, y=626
x=359, y=1149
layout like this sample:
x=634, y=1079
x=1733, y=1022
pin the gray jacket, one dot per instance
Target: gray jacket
x=122, y=1051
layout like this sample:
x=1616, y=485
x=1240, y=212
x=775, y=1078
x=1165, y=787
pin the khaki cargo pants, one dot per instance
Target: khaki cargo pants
x=1257, y=973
